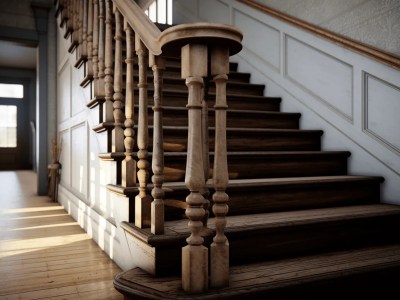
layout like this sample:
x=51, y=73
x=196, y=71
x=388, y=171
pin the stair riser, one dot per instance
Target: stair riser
x=176, y=141
x=234, y=120
x=252, y=200
x=303, y=240
x=244, y=102
x=254, y=166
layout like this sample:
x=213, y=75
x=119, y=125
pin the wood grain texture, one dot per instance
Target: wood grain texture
x=317, y=274
x=44, y=253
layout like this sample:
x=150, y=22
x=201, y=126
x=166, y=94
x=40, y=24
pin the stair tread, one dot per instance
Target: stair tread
x=267, y=276
x=243, y=224
x=293, y=218
x=282, y=181
x=260, y=130
x=259, y=182
x=274, y=153
x=247, y=111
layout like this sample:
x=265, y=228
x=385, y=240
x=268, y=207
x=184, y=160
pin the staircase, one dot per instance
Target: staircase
x=298, y=223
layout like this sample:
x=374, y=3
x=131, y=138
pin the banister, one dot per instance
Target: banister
x=141, y=24
x=205, y=49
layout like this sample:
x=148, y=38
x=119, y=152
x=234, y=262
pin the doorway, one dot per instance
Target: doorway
x=15, y=136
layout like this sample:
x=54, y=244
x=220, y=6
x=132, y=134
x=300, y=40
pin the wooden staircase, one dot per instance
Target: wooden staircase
x=298, y=223
x=288, y=198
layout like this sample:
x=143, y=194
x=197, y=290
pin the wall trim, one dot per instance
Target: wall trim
x=380, y=55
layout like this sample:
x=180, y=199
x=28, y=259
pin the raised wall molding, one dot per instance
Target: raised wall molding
x=381, y=111
x=326, y=77
x=259, y=38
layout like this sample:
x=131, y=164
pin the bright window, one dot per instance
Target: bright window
x=11, y=90
x=160, y=11
x=8, y=126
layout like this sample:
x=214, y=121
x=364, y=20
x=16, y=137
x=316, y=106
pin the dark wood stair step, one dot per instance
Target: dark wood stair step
x=179, y=98
x=258, y=164
x=249, y=139
x=245, y=102
x=276, y=194
x=366, y=272
x=268, y=236
x=283, y=194
x=249, y=165
x=177, y=116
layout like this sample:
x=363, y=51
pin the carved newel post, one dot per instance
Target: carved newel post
x=195, y=255
x=219, y=250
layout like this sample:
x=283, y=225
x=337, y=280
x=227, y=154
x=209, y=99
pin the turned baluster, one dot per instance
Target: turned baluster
x=84, y=29
x=79, y=22
x=95, y=52
x=89, y=50
x=205, y=149
x=75, y=26
x=194, y=255
x=157, y=206
x=142, y=200
x=118, y=132
x=69, y=19
x=100, y=55
x=108, y=64
x=219, y=250
x=129, y=163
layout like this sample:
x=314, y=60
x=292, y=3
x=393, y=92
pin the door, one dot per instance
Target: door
x=14, y=127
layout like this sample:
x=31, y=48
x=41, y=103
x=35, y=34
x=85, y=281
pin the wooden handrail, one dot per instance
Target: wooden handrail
x=141, y=24
x=377, y=54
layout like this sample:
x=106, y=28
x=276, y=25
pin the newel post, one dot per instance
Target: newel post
x=195, y=255
x=219, y=250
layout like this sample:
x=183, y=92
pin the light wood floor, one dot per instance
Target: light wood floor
x=44, y=253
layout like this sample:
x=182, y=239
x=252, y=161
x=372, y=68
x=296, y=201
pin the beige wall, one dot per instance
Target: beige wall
x=373, y=22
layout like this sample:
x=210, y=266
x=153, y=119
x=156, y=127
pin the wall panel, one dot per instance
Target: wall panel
x=323, y=75
x=382, y=111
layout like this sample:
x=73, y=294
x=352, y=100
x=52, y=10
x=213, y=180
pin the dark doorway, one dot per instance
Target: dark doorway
x=15, y=131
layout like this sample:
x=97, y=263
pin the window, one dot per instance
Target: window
x=8, y=126
x=160, y=11
x=11, y=90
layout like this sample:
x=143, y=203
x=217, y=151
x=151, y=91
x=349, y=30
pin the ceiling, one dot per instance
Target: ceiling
x=15, y=55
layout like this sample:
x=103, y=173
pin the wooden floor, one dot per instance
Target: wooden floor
x=44, y=253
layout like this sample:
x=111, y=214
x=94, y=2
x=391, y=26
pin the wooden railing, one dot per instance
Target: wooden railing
x=205, y=50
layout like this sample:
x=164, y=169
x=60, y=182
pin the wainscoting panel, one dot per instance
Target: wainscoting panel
x=260, y=38
x=64, y=92
x=382, y=111
x=79, y=158
x=322, y=75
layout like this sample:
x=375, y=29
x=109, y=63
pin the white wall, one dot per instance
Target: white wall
x=373, y=22
x=84, y=177
x=354, y=99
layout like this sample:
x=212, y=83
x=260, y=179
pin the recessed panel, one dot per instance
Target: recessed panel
x=382, y=103
x=64, y=93
x=326, y=77
x=79, y=158
x=261, y=39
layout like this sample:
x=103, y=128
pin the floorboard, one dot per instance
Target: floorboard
x=44, y=253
